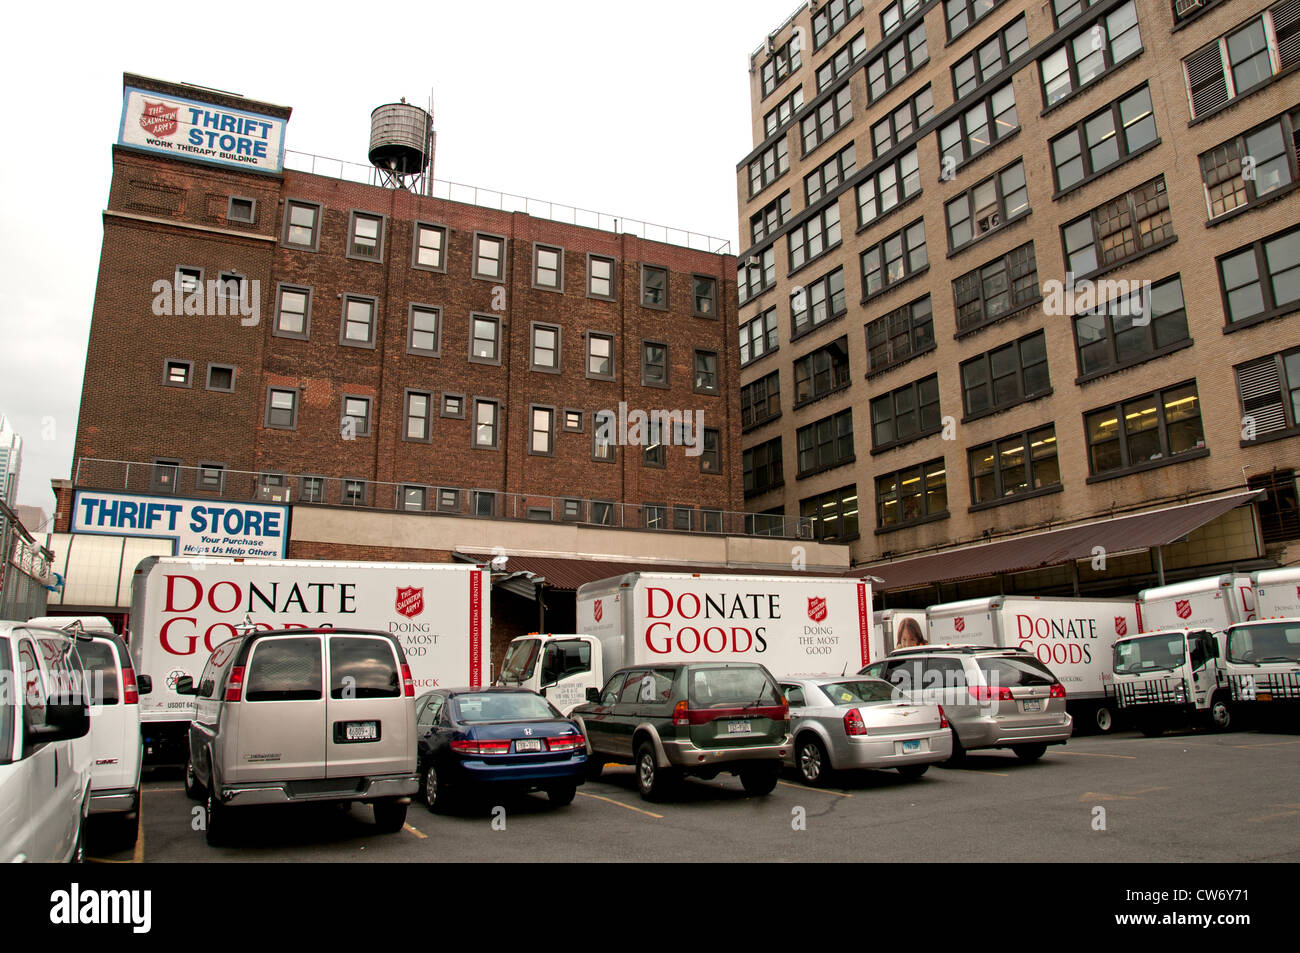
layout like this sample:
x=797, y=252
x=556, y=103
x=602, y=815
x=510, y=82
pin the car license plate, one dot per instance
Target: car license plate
x=910, y=747
x=361, y=731
x=528, y=744
x=738, y=727
x=1033, y=704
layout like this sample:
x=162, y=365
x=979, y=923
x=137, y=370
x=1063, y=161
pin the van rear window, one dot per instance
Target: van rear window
x=284, y=670
x=1010, y=672
x=363, y=668
x=100, y=661
x=720, y=687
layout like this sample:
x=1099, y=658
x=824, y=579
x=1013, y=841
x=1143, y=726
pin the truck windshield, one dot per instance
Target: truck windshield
x=1162, y=651
x=8, y=695
x=521, y=656
x=1265, y=642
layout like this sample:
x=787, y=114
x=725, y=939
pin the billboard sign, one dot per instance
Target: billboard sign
x=189, y=129
x=198, y=527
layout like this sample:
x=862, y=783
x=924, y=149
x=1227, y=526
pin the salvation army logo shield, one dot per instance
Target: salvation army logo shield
x=817, y=608
x=1121, y=625
x=159, y=119
x=1184, y=608
x=959, y=624
x=598, y=610
x=410, y=601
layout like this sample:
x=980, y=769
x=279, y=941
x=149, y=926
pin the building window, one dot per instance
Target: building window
x=165, y=476
x=1130, y=329
x=210, y=478
x=912, y=495
x=272, y=487
x=654, y=454
x=430, y=247
x=221, y=377
x=189, y=280
x=1269, y=389
x=826, y=444
x=600, y=277
x=1154, y=428
x=541, y=439
x=485, y=502
x=961, y=15
x=356, y=415
x=366, y=236
x=311, y=489
x=415, y=498
x=758, y=337
x=178, y=373
x=1279, y=511
x=545, y=348
x=355, y=492
x=293, y=313
x=999, y=199
x=241, y=210
x=1089, y=54
x=903, y=121
x=898, y=62
x=822, y=372
x=1262, y=280
x=818, y=234
x=711, y=451
x=760, y=401
x=834, y=515
x=654, y=515
x=485, y=340
x=572, y=511
x=1247, y=169
x=600, y=356
x=780, y=65
x=769, y=219
x=1121, y=229
x=358, y=321
x=992, y=291
x=682, y=518
x=821, y=301
x=989, y=59
x=979, y=127
x=782, y=112
x=453, y=405
x=772, y=163
x=231, y=285
x=762, y=468
x=302, y=224
x=1235, y=65
x=831, y=18
x=704, y=296
x=602, y=512
x=900, y=335
x=603, y=435
x=448, y=500
x=825, y=179
x=1006, y=376
x=654, y=364
x=906, y=414
x=654, y=287
x=900, y=256
x=1064, y=11
x=1104, y=139
x=419, y=416
x=486, y=413
x=756, y=274
x=1014, y=466
x=827, y=119
x=282, y=408
x=489, y=256
x=889, y=187
x=574, y=421
x=842, y=62
x=706, y=372
x=424, y=330
x=548, y=267
x=892, y=17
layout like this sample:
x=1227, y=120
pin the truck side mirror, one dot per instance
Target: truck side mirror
x=144, y=684
x=593, y=695
x=185, y=686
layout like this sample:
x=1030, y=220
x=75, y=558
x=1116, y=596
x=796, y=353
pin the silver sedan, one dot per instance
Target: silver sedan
x=855, y=722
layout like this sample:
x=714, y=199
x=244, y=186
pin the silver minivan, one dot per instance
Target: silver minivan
x=303, y=715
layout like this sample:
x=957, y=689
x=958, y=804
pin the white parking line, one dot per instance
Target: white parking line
x=610, y=800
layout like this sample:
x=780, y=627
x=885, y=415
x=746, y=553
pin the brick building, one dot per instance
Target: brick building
x=919, y=375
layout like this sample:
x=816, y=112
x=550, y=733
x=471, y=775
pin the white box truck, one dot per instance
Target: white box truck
x=1213, y=602
x=183, y=607
x=1277, y=593
x=1072, y=637
x=793, y=625
x=1172, y=677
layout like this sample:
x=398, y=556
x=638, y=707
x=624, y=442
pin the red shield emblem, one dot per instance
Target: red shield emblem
x=1121, y=625
x=410, y=601
x=598, y=610
x=159, y=119
x=959, y=624
x=1184, y=608
x=817, y=608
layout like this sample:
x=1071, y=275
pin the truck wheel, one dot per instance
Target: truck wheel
x=390, y=815
x=1029, y=753
x=812, y=761
x=652, y=780
x=1219, y=716
x=561, y=794
x=193, y=789
x=1104, y=719
x=216, y=817
x=760, y=781
x=1151, y=727
x=913, y=771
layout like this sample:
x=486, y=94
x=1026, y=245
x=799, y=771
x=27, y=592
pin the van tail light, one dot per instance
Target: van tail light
x=235, y=686
x=984, y=693
x=853, y=723
x=785, y=708
x=408, y=686
x=943, y=718
x=565, y=743
x=1058, y=690
x=473, y=746
x=129, y=694
x=681, y=715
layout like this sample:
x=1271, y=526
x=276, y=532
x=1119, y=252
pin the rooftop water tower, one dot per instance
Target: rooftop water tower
x=401, y=146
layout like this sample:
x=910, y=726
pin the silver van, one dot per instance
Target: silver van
x=301, y=715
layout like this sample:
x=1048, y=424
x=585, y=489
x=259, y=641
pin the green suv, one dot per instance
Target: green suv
x=693, y=718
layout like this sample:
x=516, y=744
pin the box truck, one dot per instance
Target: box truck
x=1072, y=637
x=1261, y=661
x=183, y=607
x=1213, y=602
x=793, y=625
x=1172, y=677
x=1277, y=593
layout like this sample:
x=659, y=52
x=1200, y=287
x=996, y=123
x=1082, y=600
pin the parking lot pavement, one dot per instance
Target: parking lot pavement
x=1194, y=797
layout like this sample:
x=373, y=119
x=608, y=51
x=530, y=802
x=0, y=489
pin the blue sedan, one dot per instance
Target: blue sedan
x=502, y=740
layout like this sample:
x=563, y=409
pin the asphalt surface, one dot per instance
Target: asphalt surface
x=1196, y=797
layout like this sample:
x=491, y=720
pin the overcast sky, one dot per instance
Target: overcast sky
x=634, y=109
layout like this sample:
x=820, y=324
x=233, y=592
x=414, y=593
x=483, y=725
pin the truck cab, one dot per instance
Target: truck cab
x=558, y=666
x=1261, y=662
x=1171, y=676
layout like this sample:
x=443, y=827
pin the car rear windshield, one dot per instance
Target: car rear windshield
x=710, y=687
x=502, y=706
x=363, y=668
x=284, y=670
x=100, y=661
x=1265, y=642
x=8, y=695
x=1010, y=672
x=865, y=690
